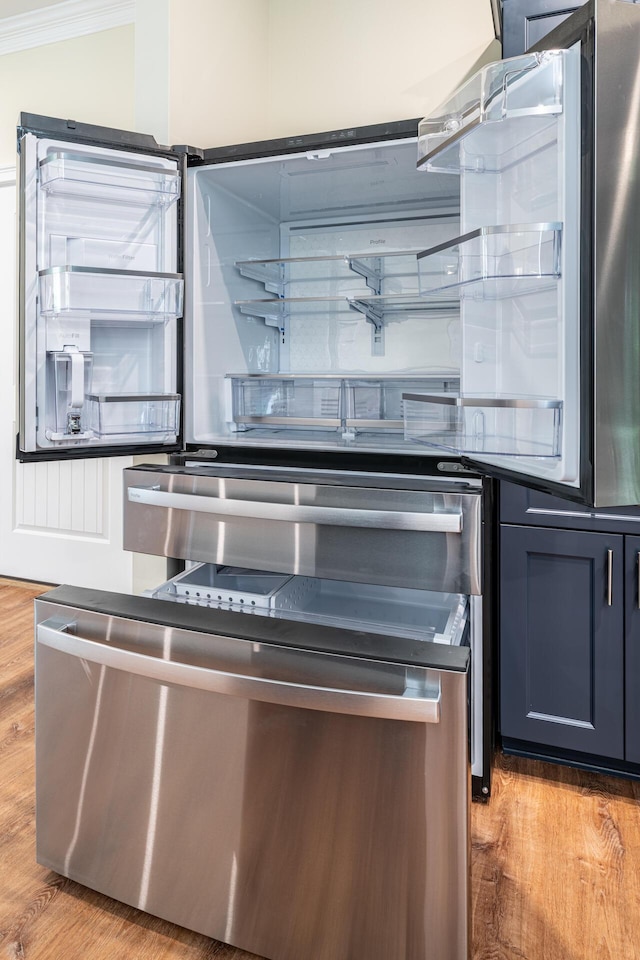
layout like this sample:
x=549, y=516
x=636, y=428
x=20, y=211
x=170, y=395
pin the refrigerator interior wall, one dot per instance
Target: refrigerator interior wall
x=305, y=323
x=512, y=136
x=102, y=297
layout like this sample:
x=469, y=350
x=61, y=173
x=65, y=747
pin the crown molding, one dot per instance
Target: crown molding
x=7, y=176
x=63, y=21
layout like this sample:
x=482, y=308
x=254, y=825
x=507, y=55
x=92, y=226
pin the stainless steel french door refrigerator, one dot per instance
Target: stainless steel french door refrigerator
x=339, y=350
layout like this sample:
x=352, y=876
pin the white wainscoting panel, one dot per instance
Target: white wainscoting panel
x=67, y=497
x=60, y=521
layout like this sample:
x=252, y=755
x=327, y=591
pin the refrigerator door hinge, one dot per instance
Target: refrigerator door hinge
x=184, y=149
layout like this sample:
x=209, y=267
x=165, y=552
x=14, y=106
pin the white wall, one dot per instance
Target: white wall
x=255, y=69
x=151, y=59
x=88, y=78
x=352, y=62
x=218, y=71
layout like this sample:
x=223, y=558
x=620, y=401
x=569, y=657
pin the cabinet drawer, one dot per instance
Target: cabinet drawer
x=524, y=506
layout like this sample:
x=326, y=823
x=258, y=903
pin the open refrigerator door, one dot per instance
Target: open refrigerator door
x=511, y=136
x=100, y=299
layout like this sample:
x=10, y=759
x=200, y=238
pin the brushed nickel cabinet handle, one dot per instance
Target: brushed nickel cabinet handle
x=609, y=577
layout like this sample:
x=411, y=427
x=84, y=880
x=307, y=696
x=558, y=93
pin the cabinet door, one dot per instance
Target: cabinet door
x=526, y=22
x=632, y=649
x=562, y=639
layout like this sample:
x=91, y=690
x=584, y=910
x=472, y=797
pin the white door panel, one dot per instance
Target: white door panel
x=59, y=522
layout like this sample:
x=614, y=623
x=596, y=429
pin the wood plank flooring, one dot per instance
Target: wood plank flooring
x=555, y=876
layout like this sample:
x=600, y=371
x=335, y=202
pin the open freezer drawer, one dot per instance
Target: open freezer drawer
x=307, y=758
x=394, y=611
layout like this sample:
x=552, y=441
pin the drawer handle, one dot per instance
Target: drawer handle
x=363, y=703
x=298, y=513
x=609, y=578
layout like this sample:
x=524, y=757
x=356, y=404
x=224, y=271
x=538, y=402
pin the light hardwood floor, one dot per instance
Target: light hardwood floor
x=555, y=875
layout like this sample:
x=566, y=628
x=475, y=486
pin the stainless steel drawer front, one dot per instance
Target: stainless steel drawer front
x=254, y=821
x=427, y=540
x=364, y=703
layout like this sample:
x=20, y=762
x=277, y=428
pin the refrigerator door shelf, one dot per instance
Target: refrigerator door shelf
x=497, y=118
x=515, y=426
x=494, y=262
x=394, y=611
x=102, y=178
x=103, y=293
x=146, y=414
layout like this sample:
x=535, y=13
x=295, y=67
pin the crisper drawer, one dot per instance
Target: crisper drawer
x=411, y=538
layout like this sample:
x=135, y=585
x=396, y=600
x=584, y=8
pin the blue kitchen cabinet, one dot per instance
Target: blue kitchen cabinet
x=632, y=649
x=526, y=22
x=562, y=616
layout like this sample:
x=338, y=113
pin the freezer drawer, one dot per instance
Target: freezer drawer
x=250, y=789
x=394, y=611
x=404, y=538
